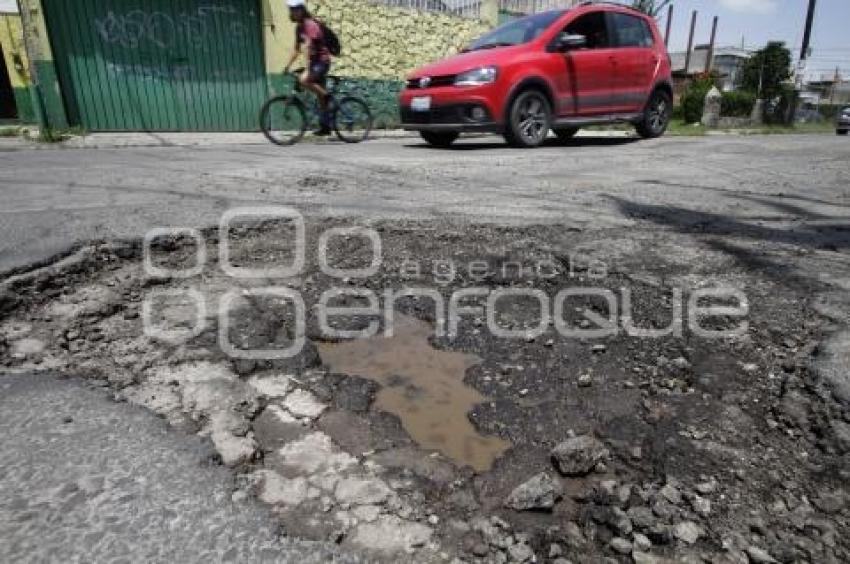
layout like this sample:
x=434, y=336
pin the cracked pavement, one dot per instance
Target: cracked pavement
x=55, y=197
x=86, y=479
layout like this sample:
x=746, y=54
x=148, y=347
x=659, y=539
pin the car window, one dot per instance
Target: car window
x=518, y=31
x=593, y=27
x=631, y=31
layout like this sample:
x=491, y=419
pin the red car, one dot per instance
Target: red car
x=561, y=70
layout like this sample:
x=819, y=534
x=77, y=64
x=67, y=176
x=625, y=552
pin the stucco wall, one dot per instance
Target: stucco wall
x=380, y=45
x=15, y=60
x=381, y=42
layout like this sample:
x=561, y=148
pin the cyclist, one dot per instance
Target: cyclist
x=308, y=32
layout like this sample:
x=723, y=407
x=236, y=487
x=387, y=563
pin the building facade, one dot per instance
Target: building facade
x=727, y=62
x=208, y=65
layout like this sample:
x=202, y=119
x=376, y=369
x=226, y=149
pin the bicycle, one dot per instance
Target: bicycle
x=285, y=118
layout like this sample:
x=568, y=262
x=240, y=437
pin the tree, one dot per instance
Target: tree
x=767, y=70
x=651, y=7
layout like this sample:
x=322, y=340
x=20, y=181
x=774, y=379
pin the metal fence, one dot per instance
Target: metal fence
x=534, y=6
x=470, y=9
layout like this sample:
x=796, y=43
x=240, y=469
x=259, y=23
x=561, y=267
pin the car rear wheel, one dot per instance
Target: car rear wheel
x=656, y=116
x=528, y=121
x=566, y=134
x=841, y=131
x=440, y=138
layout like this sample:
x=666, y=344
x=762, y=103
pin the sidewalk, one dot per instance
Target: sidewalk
x=205, y=139
x=165, y=139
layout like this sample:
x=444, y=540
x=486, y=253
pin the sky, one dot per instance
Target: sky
x=758, y=21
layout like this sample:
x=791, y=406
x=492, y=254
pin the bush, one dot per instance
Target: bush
x=830, y=111
x=737, y=104
x=678, y=114
x=693, y=98
x=776, y=110
x=692, y=104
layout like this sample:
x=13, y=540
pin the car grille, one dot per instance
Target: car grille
x=451, y=114
x=436, y=115
x=444, y=80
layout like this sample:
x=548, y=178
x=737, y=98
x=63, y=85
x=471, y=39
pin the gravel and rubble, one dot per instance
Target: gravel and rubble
x=622, y=449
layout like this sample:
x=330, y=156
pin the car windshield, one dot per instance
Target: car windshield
x=517, y=32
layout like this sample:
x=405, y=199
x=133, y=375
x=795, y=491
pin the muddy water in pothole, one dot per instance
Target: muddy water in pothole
x=423, y=386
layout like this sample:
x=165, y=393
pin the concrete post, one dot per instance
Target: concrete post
x=711, y=108
x=757, y=115
x=48, y=104
x=690, y=42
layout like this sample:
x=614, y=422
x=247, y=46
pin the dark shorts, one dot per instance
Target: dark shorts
x=319, y=72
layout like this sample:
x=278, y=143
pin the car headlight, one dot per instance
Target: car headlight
x=477, y=77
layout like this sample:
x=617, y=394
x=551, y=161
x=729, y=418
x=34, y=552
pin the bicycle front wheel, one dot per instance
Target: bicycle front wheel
x=283, y=120
x=352, y=120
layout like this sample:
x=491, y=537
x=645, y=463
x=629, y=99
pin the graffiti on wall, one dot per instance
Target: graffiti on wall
x=139, y=28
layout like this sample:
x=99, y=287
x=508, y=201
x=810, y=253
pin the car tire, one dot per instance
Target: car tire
x=566, y=134
x=528, y=120
x=656, y=116
x=441, y=139
x=841, y=131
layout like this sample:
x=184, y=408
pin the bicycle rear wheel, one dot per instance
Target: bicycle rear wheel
x=283, y=120
x=352, y=120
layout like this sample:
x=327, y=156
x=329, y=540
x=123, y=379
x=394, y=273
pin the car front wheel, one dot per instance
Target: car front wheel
x=528, y=120
x=656, y=116
x=841, y=131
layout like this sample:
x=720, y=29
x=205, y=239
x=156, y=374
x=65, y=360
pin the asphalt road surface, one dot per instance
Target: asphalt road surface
x=53, y=198
x=89, y=480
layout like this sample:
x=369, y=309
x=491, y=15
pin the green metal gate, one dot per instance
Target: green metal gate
x=159, y=65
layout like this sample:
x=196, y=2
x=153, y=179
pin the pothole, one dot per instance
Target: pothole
x=424, y=387
x=678, y=449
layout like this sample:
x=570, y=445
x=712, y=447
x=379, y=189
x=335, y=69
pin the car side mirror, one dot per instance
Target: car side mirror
x=567, y=41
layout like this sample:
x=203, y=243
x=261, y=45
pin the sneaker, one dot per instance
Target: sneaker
x=323, y=131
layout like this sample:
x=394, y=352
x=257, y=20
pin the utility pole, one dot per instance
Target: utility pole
x=807, y=35
x=804, y=54
x=835, y=82
x=669, y=25
x=690, y=43
x=710, y=56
